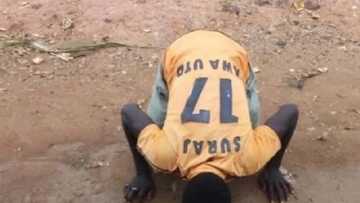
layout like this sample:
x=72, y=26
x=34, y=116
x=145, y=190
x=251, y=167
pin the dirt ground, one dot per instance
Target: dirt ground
x=60, y=133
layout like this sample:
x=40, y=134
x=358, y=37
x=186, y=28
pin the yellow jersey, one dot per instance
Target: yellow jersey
x=207, y=126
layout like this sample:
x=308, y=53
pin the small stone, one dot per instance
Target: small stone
x=154, y=57
x=123, y=72
x=354, y=7
x=292, y=70
x=296, y=22
x=315, y=16
x=231, y=8
x=315, y=98
x=312, y=4
x=311, y=129
x=107, y=20
x=18, y=149
x=343, y=48
x=263, y=2
x=281, y=43
x=141, y=102
x=24, y=3
x=348, y=128
x=256, y=70
x=323, y=70
x=119, y=128
x=323, y=137
x=333, y=113
x=3, y=90
x=2, y=29
x=37, y=60
x=147, y=30
x=36, y=6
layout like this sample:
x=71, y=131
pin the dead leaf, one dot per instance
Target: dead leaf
x=67, y=23
x=64, y=56
x=298, y=5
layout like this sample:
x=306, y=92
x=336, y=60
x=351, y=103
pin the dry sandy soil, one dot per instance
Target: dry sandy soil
x=60, y=135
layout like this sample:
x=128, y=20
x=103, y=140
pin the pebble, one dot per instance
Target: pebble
x=343, y=48
x=281, y=43
x=2, y=29
x=37, y=60
x=315, y=16
x=323, y=70
x=263, y=2
x=311, y=129
x=323, y=137
x=3, y=90
x=24, y=3
x=312, y=4
x=256, y=70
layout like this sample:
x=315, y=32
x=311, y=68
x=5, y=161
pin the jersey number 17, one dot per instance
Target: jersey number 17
x=203, y=116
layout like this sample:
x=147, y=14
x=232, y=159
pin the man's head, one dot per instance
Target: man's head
x=206, y=188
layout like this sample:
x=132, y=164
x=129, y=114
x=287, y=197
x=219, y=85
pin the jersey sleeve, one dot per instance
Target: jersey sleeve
x=159, y=99
x=155, y=147
x=258, y=149
x=253, y=99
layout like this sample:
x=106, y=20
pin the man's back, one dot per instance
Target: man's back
x=207, y=115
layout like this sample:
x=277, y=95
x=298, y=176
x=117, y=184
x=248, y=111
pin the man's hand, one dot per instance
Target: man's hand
x=273, y=183
x=141, y=187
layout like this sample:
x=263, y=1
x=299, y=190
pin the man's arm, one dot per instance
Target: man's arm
x=134, y=120
x=271, y=180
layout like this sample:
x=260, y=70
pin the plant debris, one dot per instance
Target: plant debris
x=297, y=80
x=67, y=23
x=67, y=50
x=298, y=5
